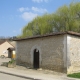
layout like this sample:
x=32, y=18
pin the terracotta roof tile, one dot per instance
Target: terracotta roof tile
x=51, y=34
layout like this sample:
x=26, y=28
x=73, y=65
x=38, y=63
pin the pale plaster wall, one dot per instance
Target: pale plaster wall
x=3, y=48
x=73, y=54
x=52, y=51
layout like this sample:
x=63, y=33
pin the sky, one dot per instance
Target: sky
x=15, y=14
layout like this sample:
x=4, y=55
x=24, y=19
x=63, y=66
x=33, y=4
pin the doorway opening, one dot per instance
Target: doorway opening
x=9, y=54
x=36, y=59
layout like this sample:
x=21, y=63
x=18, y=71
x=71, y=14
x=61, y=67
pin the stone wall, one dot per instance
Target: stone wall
x=51, y=50
x=73, y=54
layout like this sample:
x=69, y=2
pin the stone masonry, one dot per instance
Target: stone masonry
x=74, y=54
x=51, y=52
x=58, y=52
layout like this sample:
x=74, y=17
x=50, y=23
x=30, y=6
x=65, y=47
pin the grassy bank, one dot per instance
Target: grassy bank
x=74, y=75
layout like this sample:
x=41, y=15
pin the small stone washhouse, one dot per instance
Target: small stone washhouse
x=57, y=51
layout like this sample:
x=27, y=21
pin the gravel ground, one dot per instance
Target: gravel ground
x=40, y=70
x=3, y=61
x=40, y=73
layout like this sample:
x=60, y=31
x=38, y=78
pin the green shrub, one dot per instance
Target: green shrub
x=12, y=61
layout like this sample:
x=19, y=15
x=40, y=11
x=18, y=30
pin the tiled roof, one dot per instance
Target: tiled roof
x=10, y=48
x=51, y=34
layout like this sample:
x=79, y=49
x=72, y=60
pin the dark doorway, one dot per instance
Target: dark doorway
x=9, y=54
x=36, y=59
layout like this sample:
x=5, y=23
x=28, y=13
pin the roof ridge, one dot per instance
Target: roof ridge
x=51, y=34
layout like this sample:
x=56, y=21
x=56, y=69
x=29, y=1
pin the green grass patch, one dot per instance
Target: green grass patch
x=74, y=75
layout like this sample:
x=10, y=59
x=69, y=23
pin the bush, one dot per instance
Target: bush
x=12, y=61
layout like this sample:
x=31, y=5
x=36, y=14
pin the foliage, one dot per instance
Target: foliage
x=66, y=18
x=12, y=61
x=74, y=75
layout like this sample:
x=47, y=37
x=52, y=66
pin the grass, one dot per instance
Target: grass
x=74, y=75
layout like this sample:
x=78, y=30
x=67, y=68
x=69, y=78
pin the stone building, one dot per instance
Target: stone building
x=56, y=51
